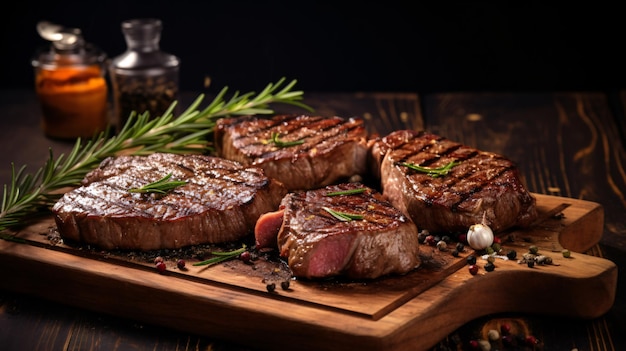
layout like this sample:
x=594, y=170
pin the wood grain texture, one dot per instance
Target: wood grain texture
x=410, y=312
x=565, y=143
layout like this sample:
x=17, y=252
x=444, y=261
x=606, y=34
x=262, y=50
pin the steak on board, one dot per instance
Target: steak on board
x=479, y=184
x=303, y=152
x=220, y=202
x=379, y=240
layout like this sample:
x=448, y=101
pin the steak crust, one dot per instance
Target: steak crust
x=220, y=202
x=318, y=245
x=331, y=149
x=481, y=184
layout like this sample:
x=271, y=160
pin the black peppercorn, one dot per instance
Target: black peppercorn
x=471, y=259
x=512, y=254
x=460, y=247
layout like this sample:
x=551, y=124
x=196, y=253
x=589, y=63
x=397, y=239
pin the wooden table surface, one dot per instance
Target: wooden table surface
x=568, y=144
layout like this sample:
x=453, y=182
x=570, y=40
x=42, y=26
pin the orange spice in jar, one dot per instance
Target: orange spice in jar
x=71, y=86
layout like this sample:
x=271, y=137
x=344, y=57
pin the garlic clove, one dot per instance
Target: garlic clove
x=479, y=236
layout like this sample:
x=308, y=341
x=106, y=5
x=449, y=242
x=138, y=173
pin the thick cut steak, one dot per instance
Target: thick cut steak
x=379, y=241
x=481, y=184
x=220, y=202
x=323, y=151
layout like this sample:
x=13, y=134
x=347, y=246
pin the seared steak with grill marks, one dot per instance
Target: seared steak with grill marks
x=481, y=183
x=221, y=202
x=320, y=151
x=316, y=244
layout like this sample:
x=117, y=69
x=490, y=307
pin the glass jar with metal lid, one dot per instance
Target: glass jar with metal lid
x=144, y=78
x=70, y=84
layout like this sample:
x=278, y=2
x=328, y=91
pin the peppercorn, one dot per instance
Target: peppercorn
x=158, y=259
x=566, y=253
x=460, y=247
x=180, y=264
x=463, y=238
x=484, y=345
x=530, y=340
x=271, y=287
x=441, y=245
x=430, y=240
x=473, y=269
x=530, y=263
x=455, y=253
x=285, y=284
x=511, y=254
x=421, y=237
x=496, y=247
x=471, y=259
x=245, y=256
x=505, y=329
x=489, y=266
x=507, y=339
x=161, y=267
x=533, y=249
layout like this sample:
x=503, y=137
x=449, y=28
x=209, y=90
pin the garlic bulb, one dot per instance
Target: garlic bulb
x=479, y=236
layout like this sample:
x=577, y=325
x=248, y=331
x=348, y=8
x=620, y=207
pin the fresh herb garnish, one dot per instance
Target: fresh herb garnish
x=161, y=186
x=275, y=139
x=342, y=216
x=190, y=132
x=433, y=172
x=221, y=256
x=347, y=192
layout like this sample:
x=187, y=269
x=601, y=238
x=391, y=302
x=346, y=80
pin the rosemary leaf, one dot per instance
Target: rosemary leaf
x=190, y=132
x=161, y=186
x=342, y=216
x=347, y=192
x=222, y=256
x=275, y=139
x=433, y=172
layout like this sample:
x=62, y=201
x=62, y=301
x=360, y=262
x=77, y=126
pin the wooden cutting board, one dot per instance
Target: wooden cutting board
x=230, y=301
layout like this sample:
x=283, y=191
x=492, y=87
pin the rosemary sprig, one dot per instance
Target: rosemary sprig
x=342, y=216
x=433, y=172
x=275, y=139
x=222, y=256
x=161, y=186
x=190, y=132
x=347, y=192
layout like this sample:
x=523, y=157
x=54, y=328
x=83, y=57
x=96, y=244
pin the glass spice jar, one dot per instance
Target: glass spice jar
x=144, y=78
x=70, y=84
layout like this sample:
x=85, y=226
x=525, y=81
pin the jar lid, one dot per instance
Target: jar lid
x=68, y=48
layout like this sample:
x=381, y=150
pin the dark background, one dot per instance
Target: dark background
x=349, y=46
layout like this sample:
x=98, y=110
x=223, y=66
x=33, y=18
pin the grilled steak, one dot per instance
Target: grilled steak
x=317, y=244
x=220, y=202
x=481, y=183
x=303, y=152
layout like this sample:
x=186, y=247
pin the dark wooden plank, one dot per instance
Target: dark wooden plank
x=215, y=304
x=566, y=144
x=508, y=116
